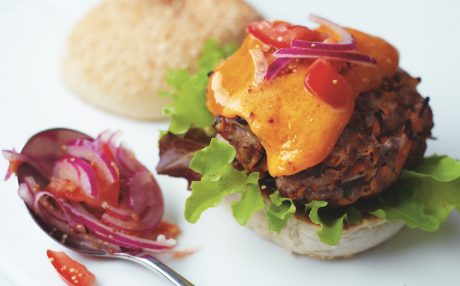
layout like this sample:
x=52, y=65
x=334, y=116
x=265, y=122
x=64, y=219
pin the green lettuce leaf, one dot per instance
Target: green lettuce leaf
x=438, y=168
x=211, y=160
x=424, y=197
x=251, y=201
x=280, y=211
x=330, y=230
x=188, y=91
x=220, y=179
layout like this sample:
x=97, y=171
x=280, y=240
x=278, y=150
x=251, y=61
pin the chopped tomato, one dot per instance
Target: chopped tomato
x=67, y=190
x=167, y=229
x=326, y=83
x=13, y=168
x=71, y=271
x=280, y=34
x=109, y=192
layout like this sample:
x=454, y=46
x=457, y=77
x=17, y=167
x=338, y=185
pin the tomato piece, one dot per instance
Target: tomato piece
x=109, y=192
x=67, y=190
x=326, y=83
x=70, y=270
x=167, y=229
x=280, y=34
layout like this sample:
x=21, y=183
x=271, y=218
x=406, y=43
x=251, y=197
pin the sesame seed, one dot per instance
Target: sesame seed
x=52, y=259
x=334, y=81
x=63, y=267
x=73, y=277
x=279, y=38
x=313, y=45
x=72, y=270
x=75, y=281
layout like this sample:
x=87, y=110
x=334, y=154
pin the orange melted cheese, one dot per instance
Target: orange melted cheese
x=297, y=129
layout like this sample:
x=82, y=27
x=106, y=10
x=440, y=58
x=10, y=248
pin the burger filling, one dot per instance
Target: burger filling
x=387, y=131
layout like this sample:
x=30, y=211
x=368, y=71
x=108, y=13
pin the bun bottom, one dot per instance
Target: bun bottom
x=299, y=236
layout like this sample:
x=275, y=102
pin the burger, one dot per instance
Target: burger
x=317, y=136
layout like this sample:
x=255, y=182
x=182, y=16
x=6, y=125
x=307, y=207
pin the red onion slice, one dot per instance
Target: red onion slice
x=276, y=67
x=146, y=224
x=127, y=162
x=345, y=37
x=25, y=193
x=120, y=213
x=298, y=53
x=81, y=216
x=16, y=159
x=323, y=46
x=112, y=139
x=79, y=172
x=260, y=65
x=85, y=151
x=71, y=156
x=45, y=147
x=144, y=192
x=53, y=217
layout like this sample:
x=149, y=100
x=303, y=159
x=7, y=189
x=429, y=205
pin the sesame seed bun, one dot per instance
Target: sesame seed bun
x=118, y=54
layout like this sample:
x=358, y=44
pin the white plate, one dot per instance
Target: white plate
x=33, y=98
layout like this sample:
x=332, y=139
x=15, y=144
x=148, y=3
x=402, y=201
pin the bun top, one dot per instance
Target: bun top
x=119, y=53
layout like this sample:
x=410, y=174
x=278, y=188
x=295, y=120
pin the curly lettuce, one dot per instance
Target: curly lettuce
x=279, y=212
x=188, y=90
x=219, y=179
x=425, y=196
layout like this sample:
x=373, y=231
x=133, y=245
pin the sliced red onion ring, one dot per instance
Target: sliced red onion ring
x=323, y=46
x=260, y=65
x=298, y=53
x=45, y=147
x=85, y=151
x=127, y=162
x=345, y=37
x=54, y=217
x=276, y=67
x=16, y=158
x=81, y=216
x=112, y=139
x=120, y=213
x=79, y=172
x=146, y=206
x=91, y=165
x=146, y=224
x=26, y=194
x=144, y=192
x=40, y=202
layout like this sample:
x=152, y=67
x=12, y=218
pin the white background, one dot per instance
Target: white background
x=33, y=98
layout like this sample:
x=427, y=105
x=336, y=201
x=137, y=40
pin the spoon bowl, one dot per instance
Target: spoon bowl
x=44, y=148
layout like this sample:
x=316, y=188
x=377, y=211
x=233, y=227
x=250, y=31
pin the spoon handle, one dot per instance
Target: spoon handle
x=155, y=264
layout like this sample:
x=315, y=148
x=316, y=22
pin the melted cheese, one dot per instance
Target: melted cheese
x=297, y=129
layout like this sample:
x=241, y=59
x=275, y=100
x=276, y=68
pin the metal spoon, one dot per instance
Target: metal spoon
x=54, y=139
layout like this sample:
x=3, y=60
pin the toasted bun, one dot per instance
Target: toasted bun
x=299, y=236
x=118, y=55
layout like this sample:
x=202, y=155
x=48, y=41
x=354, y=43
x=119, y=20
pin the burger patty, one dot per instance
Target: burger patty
x=387, y=131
